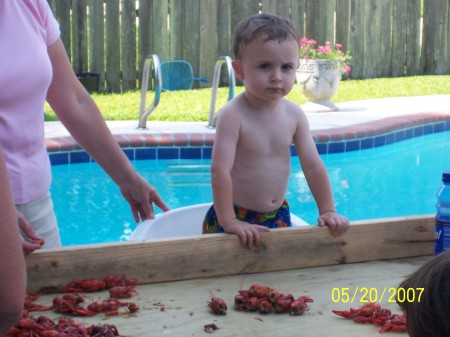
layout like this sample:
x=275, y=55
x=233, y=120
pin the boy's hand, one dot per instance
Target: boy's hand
x=337, y=224
x=248, y=233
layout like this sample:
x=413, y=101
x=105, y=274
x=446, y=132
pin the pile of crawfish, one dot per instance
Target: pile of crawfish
x=375, y=314
x=73, y=303
x=263, y=299
x=65, y=327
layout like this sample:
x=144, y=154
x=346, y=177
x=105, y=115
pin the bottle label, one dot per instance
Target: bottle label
x=441, y=237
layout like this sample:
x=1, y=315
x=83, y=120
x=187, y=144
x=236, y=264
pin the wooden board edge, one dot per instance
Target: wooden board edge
x=221, y=254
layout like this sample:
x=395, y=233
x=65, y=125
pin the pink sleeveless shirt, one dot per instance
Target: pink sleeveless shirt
x=27, y=28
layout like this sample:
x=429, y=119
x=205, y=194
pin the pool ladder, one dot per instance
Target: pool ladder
x=157, y=84
x=153, y=59
x=212, y=120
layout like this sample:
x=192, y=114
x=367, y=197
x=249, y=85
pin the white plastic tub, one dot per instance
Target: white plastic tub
x=183, y=221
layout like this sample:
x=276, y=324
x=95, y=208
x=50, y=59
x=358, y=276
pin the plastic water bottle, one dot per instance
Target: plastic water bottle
x=442, y=232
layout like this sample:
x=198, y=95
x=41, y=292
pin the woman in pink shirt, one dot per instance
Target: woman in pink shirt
x=34, y=67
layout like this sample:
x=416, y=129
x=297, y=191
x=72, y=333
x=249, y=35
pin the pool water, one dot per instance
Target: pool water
x=400, y=179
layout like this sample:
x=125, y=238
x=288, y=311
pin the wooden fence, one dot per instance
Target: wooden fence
x=387, y=38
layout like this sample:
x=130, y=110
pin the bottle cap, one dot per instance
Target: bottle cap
x=446, y=177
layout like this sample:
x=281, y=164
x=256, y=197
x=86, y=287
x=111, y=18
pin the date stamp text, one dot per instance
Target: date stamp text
x=372, y=294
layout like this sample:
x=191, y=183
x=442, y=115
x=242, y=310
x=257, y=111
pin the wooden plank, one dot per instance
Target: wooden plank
x=175, y=22
x=413, y=38
x=320, y=20
x=269, y=6
x=97, y=41
x=372, y=37
x=357, y=38
x=145, y=39
x=79, y=36
x=128, y=45
x=159, y=29
x=224, y=30
x=191, y=32
x=113, y=80
x=400, y=12
x=343, y=23
x=435, y=39
x=208, y=41
x=283, y=8
x=62, y=14
x=196, y=257
x=186, y=310
x=298, y=16
x=384, y=57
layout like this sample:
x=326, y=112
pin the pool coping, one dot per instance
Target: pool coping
x=198, y=145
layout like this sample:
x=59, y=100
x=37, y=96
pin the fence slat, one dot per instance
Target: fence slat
x=343, y=24
x=97, y=41
x=384, y=67
x=357, y=38
x=113, y=80
x=413, y=38
x=208, y=38
x=400, y=13
x=128, y=45
x=79, y=36
x=298, y=16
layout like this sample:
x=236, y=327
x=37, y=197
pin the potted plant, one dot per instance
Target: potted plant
x=319, y=73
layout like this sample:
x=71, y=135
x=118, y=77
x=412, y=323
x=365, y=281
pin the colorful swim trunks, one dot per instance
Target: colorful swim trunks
x=278, y=218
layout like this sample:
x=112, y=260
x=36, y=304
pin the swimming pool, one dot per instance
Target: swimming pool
x=394, y=180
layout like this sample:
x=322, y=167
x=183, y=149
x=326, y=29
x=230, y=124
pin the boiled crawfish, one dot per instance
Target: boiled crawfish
x=68, y=306
x=86, y=285
x=122, y=292
x=266, y=299
x=103, y=330
x=218, y=306
x=112, y=281
x=30, y=306
x=375, y=314
x=112, y=307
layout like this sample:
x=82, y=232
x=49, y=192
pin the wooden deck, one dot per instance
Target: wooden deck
x=183, y=274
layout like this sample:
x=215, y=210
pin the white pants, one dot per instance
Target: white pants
x=41, y=216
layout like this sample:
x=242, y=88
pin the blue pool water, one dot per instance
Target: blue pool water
x=395, y=180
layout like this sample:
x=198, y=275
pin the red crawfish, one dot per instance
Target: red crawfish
x=87, y=285
x=299, y=306
x=122, y=292
x=217, y=306
x=259, y=290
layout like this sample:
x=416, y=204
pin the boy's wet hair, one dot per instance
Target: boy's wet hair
x=271, y=27
x=429, y=317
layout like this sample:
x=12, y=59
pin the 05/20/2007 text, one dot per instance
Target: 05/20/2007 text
x=368, y=295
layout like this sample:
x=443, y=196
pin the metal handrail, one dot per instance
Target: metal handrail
x=212, y=120
x=143, y=112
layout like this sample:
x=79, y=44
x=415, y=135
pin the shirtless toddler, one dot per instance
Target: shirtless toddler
x=250, y=164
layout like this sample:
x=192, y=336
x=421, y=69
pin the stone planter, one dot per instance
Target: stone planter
x=319, y=80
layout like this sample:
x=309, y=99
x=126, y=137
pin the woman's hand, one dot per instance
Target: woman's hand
x=30, y=239
x=141, y=196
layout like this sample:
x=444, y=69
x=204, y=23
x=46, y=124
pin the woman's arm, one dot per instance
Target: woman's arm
x=12, y=263
x=78, y=112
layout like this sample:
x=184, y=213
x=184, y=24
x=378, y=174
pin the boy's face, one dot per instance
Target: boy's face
x=268, y=68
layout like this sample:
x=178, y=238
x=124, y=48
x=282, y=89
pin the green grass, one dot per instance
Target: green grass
x=194, y=105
